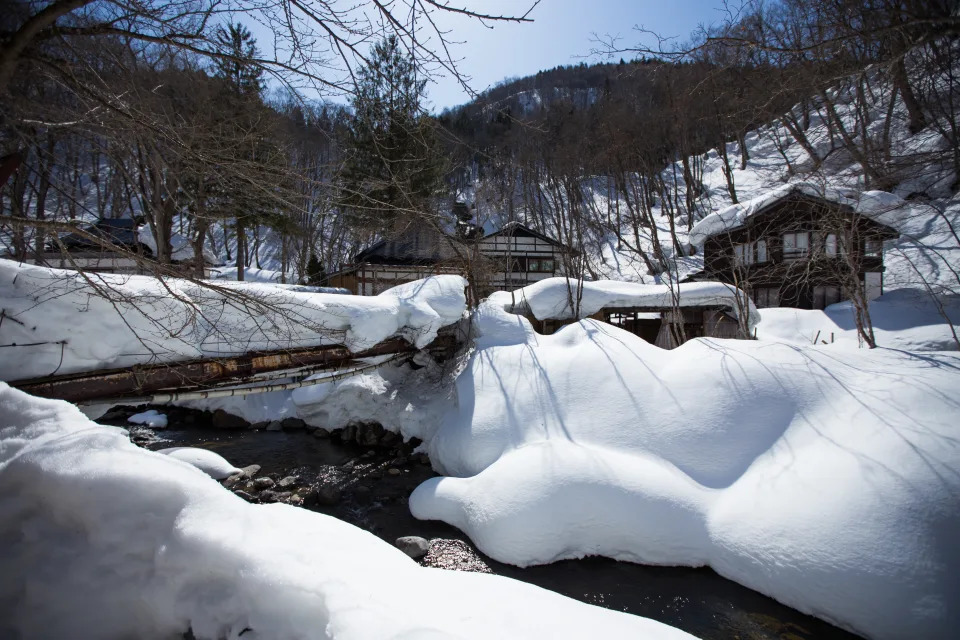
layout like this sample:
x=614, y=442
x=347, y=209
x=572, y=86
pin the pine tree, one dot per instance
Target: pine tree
x=392, y=166
x=244, y=119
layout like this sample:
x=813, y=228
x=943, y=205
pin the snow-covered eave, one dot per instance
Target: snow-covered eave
x=549, y=299
x=515, y=224
x=872, y=205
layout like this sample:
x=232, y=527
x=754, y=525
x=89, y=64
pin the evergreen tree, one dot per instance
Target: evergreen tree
x=392, y=165
x=245, y=193
x=316, y=275
x=237, y=66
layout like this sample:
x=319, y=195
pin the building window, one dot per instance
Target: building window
x=765, y=297
x=750, y=252
x=823, y=297
x=547, y=266
x=796, y=246
x=830, y=244
x=873, y=247
x=740, y=254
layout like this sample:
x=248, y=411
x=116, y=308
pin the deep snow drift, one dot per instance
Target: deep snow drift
x=902, y=319
x=828, y=479
x=64, y=321
x=103, y=539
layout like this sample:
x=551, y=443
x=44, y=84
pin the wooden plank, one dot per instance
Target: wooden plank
x=145, y=379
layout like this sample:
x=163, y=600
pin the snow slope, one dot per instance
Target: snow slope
x=63, y=321
x=827, y=479
x=103, y=539
x=906, y=319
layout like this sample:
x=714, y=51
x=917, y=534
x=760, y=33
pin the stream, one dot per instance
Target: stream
x=374, y=486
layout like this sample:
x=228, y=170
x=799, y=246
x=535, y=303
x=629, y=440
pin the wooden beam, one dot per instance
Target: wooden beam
x=142, y=380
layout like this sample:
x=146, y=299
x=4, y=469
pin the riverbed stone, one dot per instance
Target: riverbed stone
x=292, y=424
x=230, y=481
x=274, y=426
x=259, y=426
x=223, y=420
x=389, y=439
x=243, y=494
x=263, y=483
x=327, y=495
x=393, y=471
x=321, y=433
x=250, y=470
x=348, y=433
x=288, y=481
x=413, y=546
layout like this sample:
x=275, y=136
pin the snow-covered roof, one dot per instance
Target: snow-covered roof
x=549, y=299
x=869, y=203
x=513, y=226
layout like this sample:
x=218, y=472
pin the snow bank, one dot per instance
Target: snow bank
x=181, y=248
x=902, y=319
x=550, y=298
x=212, y=464
x=250, y=274
x=64, y=322
x=106, y=540
x=152, y=418
x=827, y=479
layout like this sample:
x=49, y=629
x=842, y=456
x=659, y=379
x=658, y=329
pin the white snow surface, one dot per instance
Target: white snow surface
x=550, y=298
x=64, y=322
x=902, y=319
x=828, y=479
x=103, y=539
x=251, y=274
x=151, y=417
x=181, y=248
x=212, y=464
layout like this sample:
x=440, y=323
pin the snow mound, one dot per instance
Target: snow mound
x=106, y=540
x=827, y=479
x=902, y=319
x=152, y=418
x=64, y=322
x=550, y=298
x=181, y=248
x=212, y=464
x=251, y=274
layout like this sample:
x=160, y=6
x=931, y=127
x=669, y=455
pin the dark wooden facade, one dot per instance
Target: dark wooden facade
x=507, y=259
x=800, y=251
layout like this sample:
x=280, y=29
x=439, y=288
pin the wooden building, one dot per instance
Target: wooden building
x=510, y=258
x=516, y=256
x=78, y=251
x=417, y=252
x=799, y=250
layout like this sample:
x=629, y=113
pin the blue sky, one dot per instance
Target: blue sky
x=560, y=34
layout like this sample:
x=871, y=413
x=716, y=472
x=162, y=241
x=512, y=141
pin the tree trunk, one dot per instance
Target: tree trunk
x=241, y=246
x=917, y=121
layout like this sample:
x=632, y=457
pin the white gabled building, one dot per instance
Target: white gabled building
x=519, y=256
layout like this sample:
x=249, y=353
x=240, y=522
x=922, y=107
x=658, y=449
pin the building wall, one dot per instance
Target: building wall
x=810, y=281
x=517, y=260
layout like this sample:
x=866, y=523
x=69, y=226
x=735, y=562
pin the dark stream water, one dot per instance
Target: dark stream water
x=698, y=601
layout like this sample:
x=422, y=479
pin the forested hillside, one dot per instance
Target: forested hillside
x=619, y=159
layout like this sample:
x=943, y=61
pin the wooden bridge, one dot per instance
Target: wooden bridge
x=221, y=376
